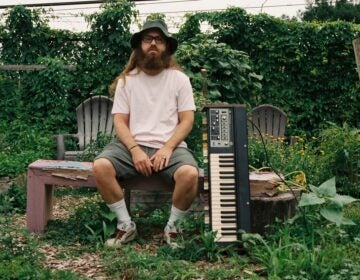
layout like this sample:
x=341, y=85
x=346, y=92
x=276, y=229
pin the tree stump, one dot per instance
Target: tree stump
x=267, y=203
x=266, y=209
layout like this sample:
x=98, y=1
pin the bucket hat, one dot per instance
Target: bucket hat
x=160, y=24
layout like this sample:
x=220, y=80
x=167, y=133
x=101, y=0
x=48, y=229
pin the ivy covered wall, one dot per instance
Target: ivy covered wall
x=307, y=69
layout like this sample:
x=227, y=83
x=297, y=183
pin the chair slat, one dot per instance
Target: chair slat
x=94, y=116
x=270, y=120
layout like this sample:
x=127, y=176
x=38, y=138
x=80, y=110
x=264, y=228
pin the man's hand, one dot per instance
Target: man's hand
x=161, y=158
x=142, y=162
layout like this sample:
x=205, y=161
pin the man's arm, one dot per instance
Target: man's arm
x=121, y=124
x=141, y=161
x=186, y=122
x=162, y=156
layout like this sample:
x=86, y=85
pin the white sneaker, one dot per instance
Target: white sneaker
x=124, y=234
x=170, y=235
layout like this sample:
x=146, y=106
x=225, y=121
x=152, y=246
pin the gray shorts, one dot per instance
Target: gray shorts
x=121, y=159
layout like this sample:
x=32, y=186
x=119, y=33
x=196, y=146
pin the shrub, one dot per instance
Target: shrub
x=13, y=200
x=340, y=146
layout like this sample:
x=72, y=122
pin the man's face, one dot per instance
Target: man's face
x=153, y=44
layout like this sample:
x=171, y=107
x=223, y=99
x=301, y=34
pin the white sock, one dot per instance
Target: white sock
x=175, y=215
x=122, y=214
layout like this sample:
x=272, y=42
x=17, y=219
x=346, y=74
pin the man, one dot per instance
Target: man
x=153, y=113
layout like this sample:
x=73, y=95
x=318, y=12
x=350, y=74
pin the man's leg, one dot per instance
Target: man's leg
x=111, y=192
x=107, y=185
x=186, y=184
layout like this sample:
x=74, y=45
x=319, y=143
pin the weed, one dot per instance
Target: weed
x=312, y=245
x=20, y=258
x=13, y=200
x=87, y=215
x=95, y=147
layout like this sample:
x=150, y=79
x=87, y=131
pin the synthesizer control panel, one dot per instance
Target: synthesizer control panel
x=220, y=123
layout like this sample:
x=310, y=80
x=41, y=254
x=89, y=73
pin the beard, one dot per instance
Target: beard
x=151, y=61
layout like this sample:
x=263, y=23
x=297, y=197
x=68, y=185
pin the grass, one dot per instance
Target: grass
x=289, y=252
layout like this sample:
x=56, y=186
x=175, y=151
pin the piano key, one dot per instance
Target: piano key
x=226, y=165
x=225, y=200
x=227, y=193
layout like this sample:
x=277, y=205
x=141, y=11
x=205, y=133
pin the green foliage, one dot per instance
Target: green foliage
x=334, y=153
x=51, y=96
x=95, y=147
x=286, y=257
x=131, y=264
x=108, y=228
x=8, y=98
x=168, y=263
x=301, y=156
x=13, y=200
x=85, y=225
x=195, y=243
x=108, y=47
x=307, y=68
x=26, y=36
x=20, y=257
x=22, y=144
x=322, y=10
x=340, y=146
x=151, y=219
x=230, y=77
x=194, y=139
x=307, y=246
x=331, y=204
x=155, y=16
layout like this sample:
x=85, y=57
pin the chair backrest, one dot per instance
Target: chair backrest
x=94, y=116
x=269, y=119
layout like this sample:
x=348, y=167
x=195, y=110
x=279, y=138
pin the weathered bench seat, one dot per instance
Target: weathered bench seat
x=266, y=203
x=44, y=174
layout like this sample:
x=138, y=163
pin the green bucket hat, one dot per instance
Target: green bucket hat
x=160, y=24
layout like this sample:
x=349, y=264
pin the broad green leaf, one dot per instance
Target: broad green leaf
x=335, y=216
x=108, y=229
x=215, y=93
x=328, y=188
x=224, y=64
x=310, y=199
x=346, y=221
x=343, y=199
x=315, y=189
x=332, y=214
x=109, y=215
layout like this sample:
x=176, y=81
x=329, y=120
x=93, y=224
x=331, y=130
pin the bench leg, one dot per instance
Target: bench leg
x=39, y=202
x=127, y=199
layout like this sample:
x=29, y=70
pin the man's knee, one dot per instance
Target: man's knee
x=188, y=174
x=103, y=167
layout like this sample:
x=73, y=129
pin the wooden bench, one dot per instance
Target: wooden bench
x=266, y=203
x=44, y=174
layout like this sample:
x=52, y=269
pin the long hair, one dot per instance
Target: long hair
x=169, y=61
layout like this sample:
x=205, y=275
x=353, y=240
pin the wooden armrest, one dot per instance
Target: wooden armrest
x=60, y=144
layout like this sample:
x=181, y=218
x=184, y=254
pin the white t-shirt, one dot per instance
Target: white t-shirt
x=153, y=103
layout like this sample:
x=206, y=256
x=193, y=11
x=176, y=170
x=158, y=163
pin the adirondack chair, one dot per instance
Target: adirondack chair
x=270, y=120
x=93, y=117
